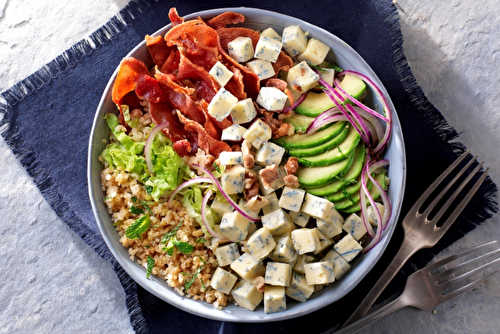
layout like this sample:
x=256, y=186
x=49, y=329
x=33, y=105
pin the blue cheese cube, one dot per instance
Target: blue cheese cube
x=243, y=112
x=234, y=226
x=302, y=78
x=327, y=74
x=234, y=133
x=263, y=68
x=227, y=254
x=278, y=274
x=340, y=265
x=299, y=218
x=220, y=73
x=315, y=52
x=283, y=251
x=260, y=243
x=232, y=180
x=301, y=260
x=258, y=133
x=353, y=225
x=291, y=198
x=246, y=295
x=317, y=207
x=241, y=49
x=274, y=299
x=222, y=104
x=231, y=158
x=294, y=40
x=372, y=217
x=348, y=247
x=277, y=222
x=221, y=206
x=324, y=242
x=332, y=225
x=271, y=98
x=305, y=240
x=269, y=154
x=223, y=280
x=247, y=267
x=267, y=49
x=273, y=203
x=298, y=288
x=271, y=33
x=319, y=273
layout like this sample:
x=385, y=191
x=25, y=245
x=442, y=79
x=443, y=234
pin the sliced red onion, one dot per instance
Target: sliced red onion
x=319, y=122
x=378, y=129
x=149, y=143
x=297, y=103
x=363, y=192
x=226, y=196
x=365, y=135
x=385, y=198
x=209, y=229
x=187, y=184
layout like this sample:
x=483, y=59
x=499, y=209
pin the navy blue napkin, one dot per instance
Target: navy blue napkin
x=48, y=116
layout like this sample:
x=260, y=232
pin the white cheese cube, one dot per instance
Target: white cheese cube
x=222, y=104
x=267, y=49
x=301, y=260
x=243, y=206
x=220, y=73
x=348, y=247
x=274, y=299
x=327, y=74
x=278, y=273
x=273, y=203
x=234, y=133
x=317, y=207
x=258, y=133
x=332, y=225
x=298, y=288
x=260, y=243
x=220, y=207
x=283, y=251
x=241, y=49
x=223, y=280
x=319, y=273
x=243, y=112
x=291, y=198
x=231, y=158
x=354, y=226
x=340, y=265
x=269, y=154
x=247, y=267
x=324, y=242
x=302, y=78
x=305, y=240
x=232, y=180
x=277, y=222
x=263, y=68
x=234, y=226
x=299, y=218
x=294, y=40
x=315, y=52
x=272, y=98
x=227, y=254
x=246, y=295
x=271, y=33
x=372, y=217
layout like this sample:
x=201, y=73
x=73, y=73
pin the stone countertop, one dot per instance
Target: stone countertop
x=454, y=52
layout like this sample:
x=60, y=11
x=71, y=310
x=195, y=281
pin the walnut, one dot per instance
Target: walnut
x=291, y=181
x=292, y=165
x=246, y=148
x=248, y=161
x=269, y=175
x=252, y=191
x=257, y=202
x=259, y=283
x=285, y=129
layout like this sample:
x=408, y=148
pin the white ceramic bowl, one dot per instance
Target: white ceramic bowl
x=345, y=57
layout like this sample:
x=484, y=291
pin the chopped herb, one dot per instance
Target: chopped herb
x=335, y=67
x=166, y=237
x=183, y=247
x=321, y=87
x=217, y=168
x=107, y=198
x=146, y=206
x=201, y=240
x=149, y=189
x=147, y=246
x=151, y=264
x=197, y=272
x=316, y=67
x=138, y=227
x=169, y=249
x=118, y=223
x=347, y=195
x=134, y=199
x=135, y=210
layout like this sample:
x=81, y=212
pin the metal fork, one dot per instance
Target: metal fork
x=420, y=231
x=440, y=281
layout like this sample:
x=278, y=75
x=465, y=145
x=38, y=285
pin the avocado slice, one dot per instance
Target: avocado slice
x=355, y=207
x=299, y=122
x=315, y=150
x=319, y=176
x=303, y=140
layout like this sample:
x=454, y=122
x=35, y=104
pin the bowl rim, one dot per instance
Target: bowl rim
x=234, y=313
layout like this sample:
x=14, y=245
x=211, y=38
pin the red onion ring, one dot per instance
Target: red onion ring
x=187, y=184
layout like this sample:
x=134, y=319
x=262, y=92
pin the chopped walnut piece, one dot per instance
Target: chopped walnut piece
x=252, y=191
x=259, y=283
x=291, y=181
x=251, y=184
x=292, y=165
x=269, y=175
x=246, y=148
x=285, y=129
x=248, y=161
x=257, y=202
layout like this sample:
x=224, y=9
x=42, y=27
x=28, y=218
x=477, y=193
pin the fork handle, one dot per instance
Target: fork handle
x=407, y=249
x=395, y=305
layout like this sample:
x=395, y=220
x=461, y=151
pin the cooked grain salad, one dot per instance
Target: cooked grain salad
x=243, y=167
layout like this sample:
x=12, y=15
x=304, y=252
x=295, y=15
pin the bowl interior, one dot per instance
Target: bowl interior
x=343, y=55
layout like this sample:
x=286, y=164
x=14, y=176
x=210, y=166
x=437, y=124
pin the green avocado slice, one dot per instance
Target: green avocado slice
x=319, y=176
x=303, y=140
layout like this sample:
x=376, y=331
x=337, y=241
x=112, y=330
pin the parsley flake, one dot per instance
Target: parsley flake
x=135, y=210
x=197, y=272
x=151, y=264
x=138, y=227
x=183, y=247
x=201, y=240
x=166, y=237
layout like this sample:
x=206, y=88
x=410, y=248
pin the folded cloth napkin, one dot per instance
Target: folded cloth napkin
x=48, y=116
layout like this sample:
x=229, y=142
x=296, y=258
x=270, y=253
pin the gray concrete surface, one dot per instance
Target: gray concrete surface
x=454, y=51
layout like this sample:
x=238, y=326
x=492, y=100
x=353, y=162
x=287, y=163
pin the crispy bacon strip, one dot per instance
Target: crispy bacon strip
x=225, y=19
x=226, y=35
x=125, y=81
x=174, y=17
x=158, y=49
